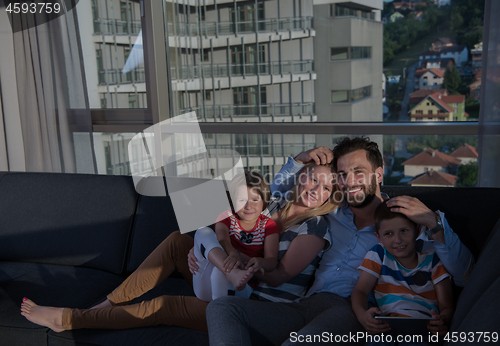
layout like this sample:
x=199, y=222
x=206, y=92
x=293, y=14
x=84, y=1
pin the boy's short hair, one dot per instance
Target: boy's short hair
x=348, y=145
x=254, y=180
x=383, y=212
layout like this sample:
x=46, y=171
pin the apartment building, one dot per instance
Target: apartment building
x=239, y=61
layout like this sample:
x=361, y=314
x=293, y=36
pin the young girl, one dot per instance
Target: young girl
x=244, y=236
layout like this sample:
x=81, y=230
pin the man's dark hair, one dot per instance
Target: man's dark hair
x=348, y=145
x=383, y=212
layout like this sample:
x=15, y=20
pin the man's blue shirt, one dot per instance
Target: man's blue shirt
x=338, y=269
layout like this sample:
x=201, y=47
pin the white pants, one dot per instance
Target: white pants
x=210, y=283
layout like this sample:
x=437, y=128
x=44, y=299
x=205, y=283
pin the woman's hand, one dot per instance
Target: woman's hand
x=232, y=261
x=192, y=262
x=371, y=324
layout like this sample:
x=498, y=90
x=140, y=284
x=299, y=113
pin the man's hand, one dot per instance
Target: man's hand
x=372, y=325
x=232, y=261
x=440, y=326
x=320, y=155
x=192, y=262
x=414, y=210
x=256, y=264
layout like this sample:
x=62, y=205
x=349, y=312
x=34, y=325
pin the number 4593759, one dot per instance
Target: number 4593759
x=34, y=7
x=471, y=337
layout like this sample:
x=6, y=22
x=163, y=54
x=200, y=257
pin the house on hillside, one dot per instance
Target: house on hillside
x=466, y=154
x=401, y=6
x=395, y=17
x=419, y=95
x=442, y=42
x=475, y=86
x=440, y=3
x=430, y=160
x=435, y=179
x=429, y=78
x=477, y=55
x=437, y=107
x=459, y=52
x=437, y=63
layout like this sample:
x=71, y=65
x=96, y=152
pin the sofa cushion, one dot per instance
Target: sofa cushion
x=482, y=316
x=46, y=284
x=81, y=220
x=484, y=276
x=154, y=221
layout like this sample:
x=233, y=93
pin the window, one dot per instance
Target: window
x=345, y=11
x=340, y=96
x=345, y=53
x=361, y=93
x=361, y=52
x=205, y=55
x=339, y=53
x=132, y=101
x=351, y=95
x=430, y=111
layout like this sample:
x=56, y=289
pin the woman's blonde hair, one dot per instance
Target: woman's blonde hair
x=323, y=209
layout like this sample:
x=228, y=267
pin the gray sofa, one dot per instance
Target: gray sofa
x=69, y=239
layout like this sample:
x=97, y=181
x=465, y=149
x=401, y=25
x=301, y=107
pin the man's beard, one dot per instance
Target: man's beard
x=368, y=195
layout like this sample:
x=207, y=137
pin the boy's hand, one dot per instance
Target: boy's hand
x=232, y=261
x=372, y=325
x=256, y=264
x=320, y=155
x=440, y=326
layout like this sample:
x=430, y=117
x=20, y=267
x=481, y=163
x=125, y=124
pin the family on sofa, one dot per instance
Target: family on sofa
x=276, y=272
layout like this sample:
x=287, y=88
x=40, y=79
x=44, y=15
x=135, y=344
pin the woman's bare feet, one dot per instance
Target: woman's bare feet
x=239, y=277
x=43, y=315
x=104, y=304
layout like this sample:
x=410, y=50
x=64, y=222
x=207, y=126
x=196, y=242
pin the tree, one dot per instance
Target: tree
x=467, y=174
x=456, y=21
x=451, y=80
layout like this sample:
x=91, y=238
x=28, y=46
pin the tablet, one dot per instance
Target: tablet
x=406, y=325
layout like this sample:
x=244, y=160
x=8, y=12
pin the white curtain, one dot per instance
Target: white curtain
x=46, y=124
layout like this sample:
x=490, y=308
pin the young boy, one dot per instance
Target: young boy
x=406, y=283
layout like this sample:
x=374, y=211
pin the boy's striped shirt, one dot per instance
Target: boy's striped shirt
x=400, y=291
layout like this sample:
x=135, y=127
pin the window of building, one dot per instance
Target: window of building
x=361, y=52
x=346, y=53
x=430, y=111
x=345, y=11
x=361, y=93
x=132, y=101
x=339, y=53
x=340, y=96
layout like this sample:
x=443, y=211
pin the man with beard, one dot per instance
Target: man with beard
x=325, y=315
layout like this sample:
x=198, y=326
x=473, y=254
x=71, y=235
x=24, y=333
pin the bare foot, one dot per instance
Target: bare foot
x=43, y=315
x=104, y=304
x=239, y=277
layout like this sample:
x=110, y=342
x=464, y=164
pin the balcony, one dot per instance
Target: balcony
x=116, y=27
x=227, y=112
x=226, y=70
x=115, y=76
x=246, y=27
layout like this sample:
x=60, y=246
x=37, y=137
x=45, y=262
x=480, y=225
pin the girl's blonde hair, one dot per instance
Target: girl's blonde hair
x=253, y=180
x=323, y=209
